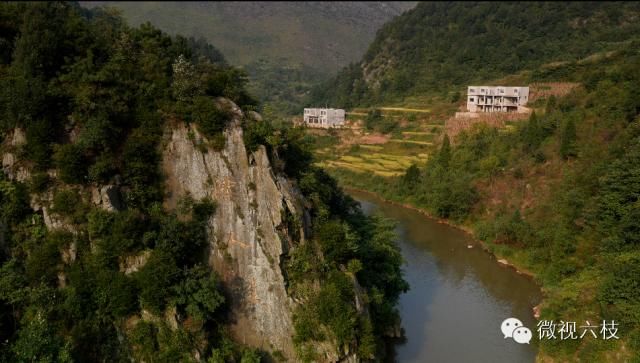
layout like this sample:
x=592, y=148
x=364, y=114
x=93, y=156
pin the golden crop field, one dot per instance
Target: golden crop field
x=412, y=142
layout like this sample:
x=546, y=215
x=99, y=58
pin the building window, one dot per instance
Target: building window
x=515, y=90
x=472, y=90
x=482, y=90
x=471, y=99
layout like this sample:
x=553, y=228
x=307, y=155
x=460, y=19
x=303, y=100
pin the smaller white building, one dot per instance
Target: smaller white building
x=324, y=117
x=497, y=99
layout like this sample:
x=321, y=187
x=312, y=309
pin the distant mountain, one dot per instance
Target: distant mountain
x=437, y=47
x=285, y=46
x=324, y=35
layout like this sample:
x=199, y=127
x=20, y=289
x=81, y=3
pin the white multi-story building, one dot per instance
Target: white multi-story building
x=497, y=99
x=324, y=117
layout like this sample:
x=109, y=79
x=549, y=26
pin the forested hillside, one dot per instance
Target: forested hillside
x=558, y=196
x=437, y=48
x=285, y=47
x=103, y=260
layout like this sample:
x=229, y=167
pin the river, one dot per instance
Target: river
x=459, y=296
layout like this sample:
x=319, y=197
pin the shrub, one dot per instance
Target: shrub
x=103, y=168
x=68, y=203
x=155, y=280
x=250, y=356
x=337, y=242
x=71, y=164
x=211, y=119
x=39, y=136
x=115, y=294
x=335, y=309
x=140, y=168
x=39, y=182
x=620, y=292
x=203, y=209
x=218, y=141
x=43, y=260
x=255, y=134
x=197, y=293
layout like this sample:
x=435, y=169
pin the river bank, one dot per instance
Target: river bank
x=501, y=260
x=466, y=229
x=457, y=294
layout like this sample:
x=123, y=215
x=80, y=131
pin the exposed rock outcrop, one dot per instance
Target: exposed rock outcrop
x=107, y=197
x=131, y=264
x=10, y=163
x=249, y=234
x=245, y=233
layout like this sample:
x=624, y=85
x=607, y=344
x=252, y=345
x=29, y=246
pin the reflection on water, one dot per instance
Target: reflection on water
x=459, y=296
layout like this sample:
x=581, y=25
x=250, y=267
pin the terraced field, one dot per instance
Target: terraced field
x=378, y=163
x=387, y=160
x=410, y=143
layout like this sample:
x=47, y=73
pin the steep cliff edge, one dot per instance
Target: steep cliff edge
x=246, y=234
x=260, y=218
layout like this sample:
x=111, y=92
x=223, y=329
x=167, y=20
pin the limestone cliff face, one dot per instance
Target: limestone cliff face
x=246, y=234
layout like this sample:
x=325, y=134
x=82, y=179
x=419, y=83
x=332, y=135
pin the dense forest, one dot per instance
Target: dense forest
x=557, y=196
x=438, y=47
x=92, y=97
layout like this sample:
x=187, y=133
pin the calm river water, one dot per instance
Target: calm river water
x=459, y=296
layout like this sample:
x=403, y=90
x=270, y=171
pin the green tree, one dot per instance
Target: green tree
x=568, y=139
x=250, y=356
x=444, y=156
x=197, y=293
x=373, y=119
x=411, y=177
x=37, y=341
x=71, y=164
x=455, y=98
x=155, y=280
x=531, y=133
x=187, y=83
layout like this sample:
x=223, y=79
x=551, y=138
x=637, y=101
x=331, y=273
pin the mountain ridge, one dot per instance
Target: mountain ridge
x=438, y=48
x=285, y=47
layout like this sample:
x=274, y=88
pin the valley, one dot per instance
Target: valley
x=180, y=182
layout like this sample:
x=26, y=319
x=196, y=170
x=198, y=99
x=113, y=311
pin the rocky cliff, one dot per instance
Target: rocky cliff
x=250, y=234
x=247, y=236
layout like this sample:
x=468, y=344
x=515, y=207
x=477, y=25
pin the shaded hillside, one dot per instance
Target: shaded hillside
x=436, y=48
x=285, y=46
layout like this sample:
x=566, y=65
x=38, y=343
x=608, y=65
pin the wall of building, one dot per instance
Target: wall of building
x=496, y=98
x=324, y=117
